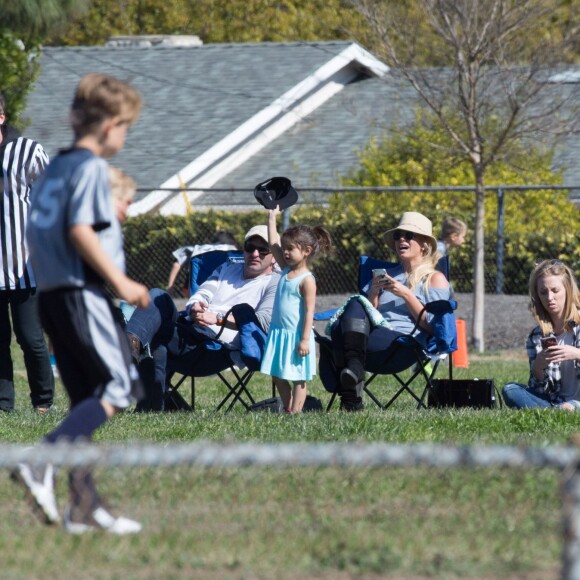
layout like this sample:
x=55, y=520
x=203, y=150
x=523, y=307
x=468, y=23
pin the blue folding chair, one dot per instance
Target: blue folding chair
x=213, y=356
x=406, y=352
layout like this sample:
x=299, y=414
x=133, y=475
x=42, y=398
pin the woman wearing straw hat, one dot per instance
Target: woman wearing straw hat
x=398, y=297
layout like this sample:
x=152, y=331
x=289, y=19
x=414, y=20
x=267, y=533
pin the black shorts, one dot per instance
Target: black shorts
x=90, y=346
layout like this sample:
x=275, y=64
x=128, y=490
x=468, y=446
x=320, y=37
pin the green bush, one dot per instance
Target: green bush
x=151, y=239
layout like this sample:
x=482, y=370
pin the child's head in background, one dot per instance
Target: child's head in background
x=123, y=188
x=453, y=232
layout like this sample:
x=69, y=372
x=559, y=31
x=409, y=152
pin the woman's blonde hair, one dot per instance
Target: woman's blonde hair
x=423, y=273
x=572, y=303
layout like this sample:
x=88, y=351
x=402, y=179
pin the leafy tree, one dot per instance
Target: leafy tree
x=18, y=70
x=216, y=21
x=280, y=21
x=22, y=27
x=494, y=94
x=420, y=157
x=38, y=17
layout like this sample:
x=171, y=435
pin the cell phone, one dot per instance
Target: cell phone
x=548, y=341
x=379, y=272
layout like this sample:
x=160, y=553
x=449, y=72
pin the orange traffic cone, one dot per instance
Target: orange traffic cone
x=460, y=358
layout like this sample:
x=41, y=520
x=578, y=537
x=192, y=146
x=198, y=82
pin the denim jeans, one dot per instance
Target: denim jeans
x=172, y=348
x=154, y=326
x=518, y=396
x=22, y=306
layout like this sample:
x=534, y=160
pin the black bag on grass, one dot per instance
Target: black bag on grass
x=475, y=393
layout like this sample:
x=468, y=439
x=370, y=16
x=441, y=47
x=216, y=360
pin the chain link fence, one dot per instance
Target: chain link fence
x=151, y=240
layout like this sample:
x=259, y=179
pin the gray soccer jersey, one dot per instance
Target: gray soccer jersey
x=74, y=190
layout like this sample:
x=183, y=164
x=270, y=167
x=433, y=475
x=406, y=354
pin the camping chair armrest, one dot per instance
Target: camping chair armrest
x=418, y=321
x=182, y=321
x=435, y=307
x=325, y=314
x=224, y=322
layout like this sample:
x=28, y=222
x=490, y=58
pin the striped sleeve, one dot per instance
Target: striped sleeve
x=23, y=161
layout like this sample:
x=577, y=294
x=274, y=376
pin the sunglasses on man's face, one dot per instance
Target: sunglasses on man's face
x=401, y=234
x=251, y=248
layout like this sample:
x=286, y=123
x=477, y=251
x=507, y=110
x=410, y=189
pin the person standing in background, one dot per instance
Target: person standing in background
x=290, y=353
x=23, y=161
x=453, y=232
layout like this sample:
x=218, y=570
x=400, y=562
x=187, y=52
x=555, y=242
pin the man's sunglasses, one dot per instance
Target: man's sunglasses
x=251, y=248
x=402, y=234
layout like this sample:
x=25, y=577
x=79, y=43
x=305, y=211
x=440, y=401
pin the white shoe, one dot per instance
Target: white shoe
x=99, y=519
x=39, y=485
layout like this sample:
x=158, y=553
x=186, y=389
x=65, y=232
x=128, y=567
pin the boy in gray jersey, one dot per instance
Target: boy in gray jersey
x=76, y=248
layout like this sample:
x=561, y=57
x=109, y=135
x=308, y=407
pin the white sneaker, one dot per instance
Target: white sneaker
x=99, y=519
x=39, y=485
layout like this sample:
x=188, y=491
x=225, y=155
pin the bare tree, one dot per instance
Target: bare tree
x=497, y=91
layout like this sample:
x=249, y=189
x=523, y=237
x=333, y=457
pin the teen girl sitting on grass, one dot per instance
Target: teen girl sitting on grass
x=554, y=345
x=290, y=355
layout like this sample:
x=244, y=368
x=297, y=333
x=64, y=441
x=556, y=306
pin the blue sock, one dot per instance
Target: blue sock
x=83, y=420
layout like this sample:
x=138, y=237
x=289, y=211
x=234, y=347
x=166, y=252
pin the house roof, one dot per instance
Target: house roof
x=194, y=97
x=228, y=116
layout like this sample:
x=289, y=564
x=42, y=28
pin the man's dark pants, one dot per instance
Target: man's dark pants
x=22, y=307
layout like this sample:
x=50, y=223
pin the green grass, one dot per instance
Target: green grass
x=306, y=522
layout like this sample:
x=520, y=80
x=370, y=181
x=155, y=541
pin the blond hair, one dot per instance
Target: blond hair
x=99, y=97
x=572, y=303
x=123, y=186
x=452, y=226
x=423, y=273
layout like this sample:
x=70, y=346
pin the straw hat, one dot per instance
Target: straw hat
x=412, y=221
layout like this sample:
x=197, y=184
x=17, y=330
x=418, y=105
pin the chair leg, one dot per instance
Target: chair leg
x=331, y=402
x=237, y=390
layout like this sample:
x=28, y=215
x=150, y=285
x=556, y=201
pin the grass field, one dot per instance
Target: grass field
x=306, y=522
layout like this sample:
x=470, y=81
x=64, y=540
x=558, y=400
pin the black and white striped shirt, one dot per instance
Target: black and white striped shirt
x=22, y=160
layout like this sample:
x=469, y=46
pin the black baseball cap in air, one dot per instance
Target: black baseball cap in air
x=276, y=191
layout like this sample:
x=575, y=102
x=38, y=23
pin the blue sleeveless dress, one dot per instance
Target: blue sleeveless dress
x=281, y=358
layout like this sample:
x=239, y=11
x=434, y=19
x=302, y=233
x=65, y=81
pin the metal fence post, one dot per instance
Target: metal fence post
x=285, y=219
x=571, y=505
x=500, y=241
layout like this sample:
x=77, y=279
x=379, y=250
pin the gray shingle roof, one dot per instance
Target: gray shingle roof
x=194, y=97
x=324, y=146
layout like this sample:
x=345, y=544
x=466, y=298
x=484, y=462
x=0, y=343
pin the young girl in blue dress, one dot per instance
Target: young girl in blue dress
x=290, y=355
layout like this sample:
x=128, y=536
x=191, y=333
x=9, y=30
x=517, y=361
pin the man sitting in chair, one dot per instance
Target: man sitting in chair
x=160, y=343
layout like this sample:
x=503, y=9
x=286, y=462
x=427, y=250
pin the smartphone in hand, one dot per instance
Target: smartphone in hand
x=379, y=272
x=548, y=341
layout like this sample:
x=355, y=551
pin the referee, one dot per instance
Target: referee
x=22, y=160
